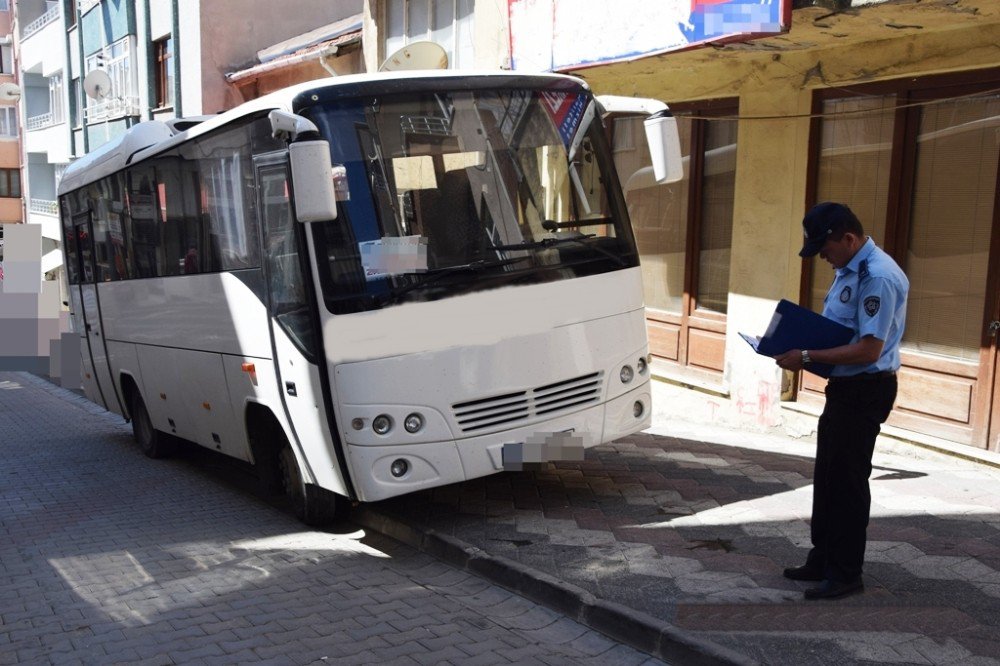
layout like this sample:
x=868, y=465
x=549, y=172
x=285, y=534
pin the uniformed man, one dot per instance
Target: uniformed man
x=869, y=296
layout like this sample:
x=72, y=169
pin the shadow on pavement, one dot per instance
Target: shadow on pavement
x=697, y=534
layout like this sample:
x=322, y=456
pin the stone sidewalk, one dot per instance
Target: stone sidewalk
x=685, y=530
x=107, y=557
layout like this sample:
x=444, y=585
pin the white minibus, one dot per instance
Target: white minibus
x=367, y=285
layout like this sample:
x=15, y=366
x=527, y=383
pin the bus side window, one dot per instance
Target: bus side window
x=143, y=237
x=119, y=259
x=100, y=206
x=69, y=238
x=227, y=200
x=179, y=246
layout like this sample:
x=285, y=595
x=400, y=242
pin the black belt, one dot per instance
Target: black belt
x=864, y=377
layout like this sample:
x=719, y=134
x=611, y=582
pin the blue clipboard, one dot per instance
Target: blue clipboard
x=795, y=327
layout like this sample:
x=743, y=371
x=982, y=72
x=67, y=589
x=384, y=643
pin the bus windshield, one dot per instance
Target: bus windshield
x=443, y=193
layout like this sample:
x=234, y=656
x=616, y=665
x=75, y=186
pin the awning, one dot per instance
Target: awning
x=313, y=45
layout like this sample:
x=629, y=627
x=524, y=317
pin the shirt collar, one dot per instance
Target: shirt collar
x=862, y=255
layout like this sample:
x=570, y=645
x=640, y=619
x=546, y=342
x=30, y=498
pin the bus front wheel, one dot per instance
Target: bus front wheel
x=312, y=505
x=151, y=441
x=291, y=481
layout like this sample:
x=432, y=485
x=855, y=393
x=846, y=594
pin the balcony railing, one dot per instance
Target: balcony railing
x=40, y=22
x=113, y=108
x=40, y=121
x=43, y=207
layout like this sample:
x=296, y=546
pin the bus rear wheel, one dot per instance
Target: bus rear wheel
x=151, y=441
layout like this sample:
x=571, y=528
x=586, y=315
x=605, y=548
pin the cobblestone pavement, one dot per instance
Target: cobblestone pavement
x=693, y=526
x=108, y=557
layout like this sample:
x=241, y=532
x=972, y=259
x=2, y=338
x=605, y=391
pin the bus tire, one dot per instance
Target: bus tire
x=151, y=441
x=312, y=505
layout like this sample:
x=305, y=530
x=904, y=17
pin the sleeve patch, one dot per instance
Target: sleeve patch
x=872, y=304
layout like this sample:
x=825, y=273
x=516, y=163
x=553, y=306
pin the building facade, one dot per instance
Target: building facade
x=11, y=211
x=892, y=108
x=93, y=68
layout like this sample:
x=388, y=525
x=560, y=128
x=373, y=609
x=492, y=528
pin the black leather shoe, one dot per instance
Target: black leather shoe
x=834, y=589
x=804, y=572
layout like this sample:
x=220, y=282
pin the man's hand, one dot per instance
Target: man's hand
x=790, y=360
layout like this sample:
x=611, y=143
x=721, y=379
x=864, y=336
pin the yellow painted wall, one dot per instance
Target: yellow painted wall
x=774, y=81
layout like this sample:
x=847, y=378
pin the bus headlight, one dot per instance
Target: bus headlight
x=641, y=366
x=413, y=422
x=626, y=374
x=382, y=424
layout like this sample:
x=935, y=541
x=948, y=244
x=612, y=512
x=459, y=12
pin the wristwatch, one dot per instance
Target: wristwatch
x=805, y=357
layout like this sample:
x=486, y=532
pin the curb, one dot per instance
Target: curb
x=625, y=625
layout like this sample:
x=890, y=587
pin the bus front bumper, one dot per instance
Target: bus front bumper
x=440, y=463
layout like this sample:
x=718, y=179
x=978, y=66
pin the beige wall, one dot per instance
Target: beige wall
x=775, y=86
x=232, y=31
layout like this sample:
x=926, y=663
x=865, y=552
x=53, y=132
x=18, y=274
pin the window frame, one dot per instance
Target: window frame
x=908, y=92
x=7, y=59
x=163, y=59
x=10, y=183
x=9, y=126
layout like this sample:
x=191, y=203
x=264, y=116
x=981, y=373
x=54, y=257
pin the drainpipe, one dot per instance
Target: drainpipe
x=175, y=29
x=68, y=82
x=147, y=28
x=328, y=52
x=79, y=48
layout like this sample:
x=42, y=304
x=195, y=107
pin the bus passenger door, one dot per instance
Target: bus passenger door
x=96, y=375
x=293, y=326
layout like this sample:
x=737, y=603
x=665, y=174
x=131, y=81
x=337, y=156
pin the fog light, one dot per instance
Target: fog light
x=413, y=422
x=641, y=365
x=626, y=374
x=358, y=424
x=399, y=467
x=638, y=409
x=382, y=424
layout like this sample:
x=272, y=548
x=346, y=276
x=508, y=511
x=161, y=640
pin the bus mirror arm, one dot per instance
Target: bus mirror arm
x=661, y=132
x=288, y=126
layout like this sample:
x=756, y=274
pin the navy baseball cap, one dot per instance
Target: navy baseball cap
x=820, y=222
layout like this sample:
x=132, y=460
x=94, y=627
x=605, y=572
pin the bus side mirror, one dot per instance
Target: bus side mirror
x=664, y=147
x=661, y=132
x=312, y=181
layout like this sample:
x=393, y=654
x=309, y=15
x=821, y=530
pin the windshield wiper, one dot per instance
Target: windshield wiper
x=582, y=239
x=436, y=274
x=552, y=225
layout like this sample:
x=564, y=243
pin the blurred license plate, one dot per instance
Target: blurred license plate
x=542, y=448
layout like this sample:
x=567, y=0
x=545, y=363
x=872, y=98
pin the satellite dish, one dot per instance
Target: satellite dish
x=418, y=55
x=97, y=84
x=9, y=92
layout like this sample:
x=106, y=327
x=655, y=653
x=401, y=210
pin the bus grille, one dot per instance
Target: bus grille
x=510, y=408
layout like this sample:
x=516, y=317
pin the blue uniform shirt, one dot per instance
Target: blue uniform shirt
x=869, y=296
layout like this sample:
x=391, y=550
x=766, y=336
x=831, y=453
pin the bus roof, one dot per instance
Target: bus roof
x=149, y=138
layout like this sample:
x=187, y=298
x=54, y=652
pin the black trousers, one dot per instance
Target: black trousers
x=855, y=410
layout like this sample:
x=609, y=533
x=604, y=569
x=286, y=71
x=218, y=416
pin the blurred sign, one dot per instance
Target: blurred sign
x=550, y=35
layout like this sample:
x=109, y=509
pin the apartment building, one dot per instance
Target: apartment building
x=11, y=210
x=86, y=71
